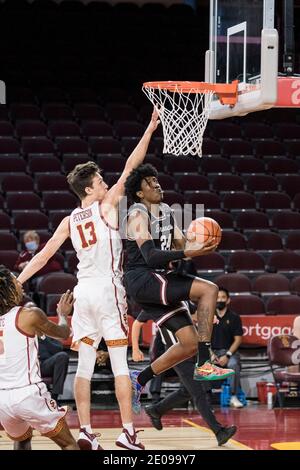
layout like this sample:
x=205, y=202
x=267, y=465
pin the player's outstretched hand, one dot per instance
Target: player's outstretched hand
x=193, y=249
x=153, y=124
x=65, y=304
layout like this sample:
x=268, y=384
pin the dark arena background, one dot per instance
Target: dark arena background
x=73, y=74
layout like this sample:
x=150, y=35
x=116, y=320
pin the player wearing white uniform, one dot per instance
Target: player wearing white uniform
x=25, y=402
x=100, y=307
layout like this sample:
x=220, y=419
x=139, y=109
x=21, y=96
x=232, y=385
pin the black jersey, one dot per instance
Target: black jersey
x=162, y=232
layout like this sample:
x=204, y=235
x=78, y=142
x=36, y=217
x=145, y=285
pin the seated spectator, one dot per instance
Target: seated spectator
x=32, y=246
x=54, y=363
x=225, y=341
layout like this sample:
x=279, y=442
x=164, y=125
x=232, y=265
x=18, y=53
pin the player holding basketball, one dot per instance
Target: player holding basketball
x=100, y=309
x=151, y=236
x=25, y=402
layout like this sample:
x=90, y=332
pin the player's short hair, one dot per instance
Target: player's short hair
x=81, y=177
x=223, y=289
x=7, y=290
x=134, y=180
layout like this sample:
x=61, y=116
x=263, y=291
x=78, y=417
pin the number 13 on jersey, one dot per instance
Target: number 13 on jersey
x=87, y=234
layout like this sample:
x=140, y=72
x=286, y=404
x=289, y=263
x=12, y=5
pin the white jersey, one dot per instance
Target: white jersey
x=98, y=246
x=19, y=363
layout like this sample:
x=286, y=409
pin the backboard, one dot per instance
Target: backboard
x=244, y=47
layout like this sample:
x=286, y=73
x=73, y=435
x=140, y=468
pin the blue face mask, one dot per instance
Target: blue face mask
x=31, y=246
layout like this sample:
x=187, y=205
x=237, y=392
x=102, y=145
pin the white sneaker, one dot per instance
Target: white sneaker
x=87, y=441
x=126, y=441
x=235, y=402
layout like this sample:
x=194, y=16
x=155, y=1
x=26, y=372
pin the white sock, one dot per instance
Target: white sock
x=129, y=428
x=88, y=428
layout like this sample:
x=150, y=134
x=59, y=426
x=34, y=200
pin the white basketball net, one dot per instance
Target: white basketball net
x=183, y=116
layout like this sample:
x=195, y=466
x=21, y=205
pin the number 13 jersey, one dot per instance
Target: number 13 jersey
x=98, y=246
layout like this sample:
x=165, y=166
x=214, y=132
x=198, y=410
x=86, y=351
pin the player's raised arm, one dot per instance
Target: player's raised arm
x=36, y=322
x=51, y=247
x=136, y=158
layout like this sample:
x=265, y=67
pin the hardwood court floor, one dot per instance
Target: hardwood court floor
x=258, y=428
x=183, y=438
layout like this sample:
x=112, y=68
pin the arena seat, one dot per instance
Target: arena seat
x=290, y=184
x=234, y=283
x=191, y=182
x=248, y=165
x=29, y=220
x=31, y=129
x=9, y=162
x=8, y=241
x=25, y=112
x=265, y=241
x=89, y=112
x=215, y=165
x=272, y=201
x=55, y=112
x=180, y=164
x=285, y=262
x=211, y=147
x=269, y=148
x=121, y=112
x=19, y=200
x=40, y=145
x=6, y=129
x=247, y=262
x=248, y=221
x=270, y=284
x=261, y=183
x=284, y=305
x=58, y=200
x=292, y=241
x=128, y=129
x=9, y=258
x=71, y=160
x=72, y=145
x=237, y=147
x=9, y=146
x=63, y=129
x=223, y=183
x=96, y=129
x=237, y=200
x=51, y=182
x=282, y=166
x=257, y=130
x=232, y=241
x=247, y=305
x=44, y=163
x=5, y=222
x=286, y=221
x=17, y=181
x=209, y=199
x=106, y=147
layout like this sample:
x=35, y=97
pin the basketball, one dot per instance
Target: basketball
x=203, y=229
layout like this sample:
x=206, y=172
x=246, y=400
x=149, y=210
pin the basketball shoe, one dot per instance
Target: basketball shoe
x=137, y=390
x=88, y=441
x=209, y=371
x=225, y=434
x=126, y=441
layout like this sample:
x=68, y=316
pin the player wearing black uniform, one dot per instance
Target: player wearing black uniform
x=152, y=235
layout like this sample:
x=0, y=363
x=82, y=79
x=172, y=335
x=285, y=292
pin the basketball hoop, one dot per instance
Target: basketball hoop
x=183, y=109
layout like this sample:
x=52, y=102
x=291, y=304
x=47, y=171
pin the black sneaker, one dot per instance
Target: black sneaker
x=154, y=416
x=225, y=434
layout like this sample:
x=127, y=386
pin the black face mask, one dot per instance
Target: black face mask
x=221, y=305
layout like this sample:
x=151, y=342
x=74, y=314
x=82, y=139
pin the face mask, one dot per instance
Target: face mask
x=221, y=305
x=31, y=246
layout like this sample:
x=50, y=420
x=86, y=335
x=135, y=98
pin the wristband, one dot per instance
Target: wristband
x=229, y=354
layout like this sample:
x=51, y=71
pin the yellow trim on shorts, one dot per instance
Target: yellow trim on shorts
x=24, y=437
x=59, y=426
x=87, y=340
x=114, y=343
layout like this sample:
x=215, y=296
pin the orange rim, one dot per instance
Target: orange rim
x=226, y=92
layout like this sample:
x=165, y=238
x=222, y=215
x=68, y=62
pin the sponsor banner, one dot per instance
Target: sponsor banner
x=258, y=329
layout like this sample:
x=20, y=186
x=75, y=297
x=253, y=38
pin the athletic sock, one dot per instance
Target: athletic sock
x=146, y=375
x=88, y=428
x=203, y=353
x=129, y=428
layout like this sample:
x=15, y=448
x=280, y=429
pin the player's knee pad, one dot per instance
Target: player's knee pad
x=118, y=360
x=86, y=361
